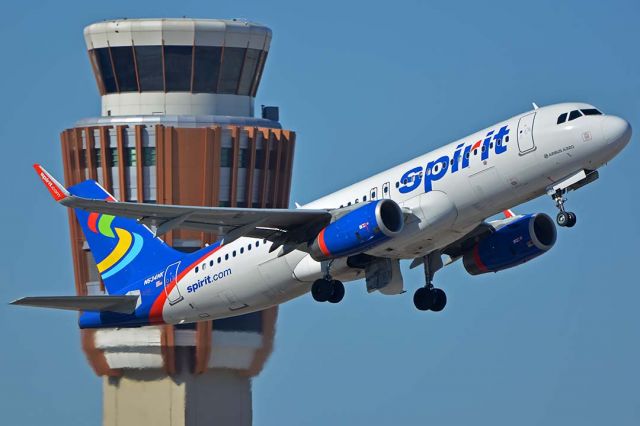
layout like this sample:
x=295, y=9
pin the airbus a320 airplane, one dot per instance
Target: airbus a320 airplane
x=431, y=209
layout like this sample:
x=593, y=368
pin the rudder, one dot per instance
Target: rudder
x=123, y=249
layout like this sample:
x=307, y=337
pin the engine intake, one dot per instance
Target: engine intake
x=513, y=244
x=359, y=230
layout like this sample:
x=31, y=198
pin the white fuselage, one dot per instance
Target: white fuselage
x=448, y=201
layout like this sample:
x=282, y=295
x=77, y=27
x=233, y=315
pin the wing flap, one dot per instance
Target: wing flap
x=119, y=304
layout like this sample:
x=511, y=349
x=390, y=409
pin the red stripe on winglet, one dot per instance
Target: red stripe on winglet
x=56, y=192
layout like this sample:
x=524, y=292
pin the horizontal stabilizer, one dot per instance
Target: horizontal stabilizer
x=119, y=304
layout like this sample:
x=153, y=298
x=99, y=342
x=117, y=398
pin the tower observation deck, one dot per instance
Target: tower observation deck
x=177, y=127
x=178, y=66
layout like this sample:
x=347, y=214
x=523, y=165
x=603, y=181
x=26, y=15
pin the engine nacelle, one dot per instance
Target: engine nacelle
x=513, y=244
x=358, y=230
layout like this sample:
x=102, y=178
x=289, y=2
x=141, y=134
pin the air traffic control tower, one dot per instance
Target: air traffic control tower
x=178, y=127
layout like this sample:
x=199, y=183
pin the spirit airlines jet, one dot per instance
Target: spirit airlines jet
x=432, y=210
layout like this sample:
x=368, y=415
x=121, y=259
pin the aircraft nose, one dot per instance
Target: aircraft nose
x=616, y=131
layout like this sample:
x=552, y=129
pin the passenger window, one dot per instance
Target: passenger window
x=257, y=244
x=386, y=189
x=364, y=198
x=196, y=269
x=591, y=111
x=574, y=114
x=226, y=256
x=249, y=247
x=241, y=250
x=506, y=139
x=397, y=184
x=219, y=259
x=349, y=203
x=204, y=265
x=562, y=118
x=234, y=253
x=211, y=263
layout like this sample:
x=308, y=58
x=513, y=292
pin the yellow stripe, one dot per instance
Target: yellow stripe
x=124, y=242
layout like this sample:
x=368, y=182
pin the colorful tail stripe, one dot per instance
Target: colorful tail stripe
x=135, y=250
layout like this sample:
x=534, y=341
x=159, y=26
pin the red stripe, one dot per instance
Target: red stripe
x=479, y=263
x=93, y=220
x=322, y=244
x=155, y=313
x=476, y=145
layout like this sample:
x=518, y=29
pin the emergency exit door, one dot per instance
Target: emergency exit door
x=526, y=143
x=171, y=290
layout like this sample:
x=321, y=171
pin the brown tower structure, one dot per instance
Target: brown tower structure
x=177, y=127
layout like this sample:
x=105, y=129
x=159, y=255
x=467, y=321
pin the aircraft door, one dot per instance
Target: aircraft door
x=525, y=134
x=170, y=277
x=386, y=190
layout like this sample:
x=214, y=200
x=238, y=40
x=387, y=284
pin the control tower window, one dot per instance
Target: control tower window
x=177, y=61
x=206, y=68
x=149, y=61
x=574, y=114
x=124, y=65
x=562, y=118
x=248, y=71
x=591, y=111
x=232, y=60
x=103, y=60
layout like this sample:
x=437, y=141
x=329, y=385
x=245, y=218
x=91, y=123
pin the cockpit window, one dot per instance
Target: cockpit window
x=562, y=118
x=574, y=114
x=591, y=111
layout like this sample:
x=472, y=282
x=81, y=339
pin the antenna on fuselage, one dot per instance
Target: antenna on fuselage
x=535, y=106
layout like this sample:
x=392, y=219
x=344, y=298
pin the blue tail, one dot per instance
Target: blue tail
x=124, y=250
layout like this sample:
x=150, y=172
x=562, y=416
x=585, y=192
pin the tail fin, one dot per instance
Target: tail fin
x=124, y=250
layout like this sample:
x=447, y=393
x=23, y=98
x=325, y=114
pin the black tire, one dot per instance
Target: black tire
x=337, y=292
x=423, y=299
x=562, y=219
x=321, y=290
x=440, y=300
x=572, y=220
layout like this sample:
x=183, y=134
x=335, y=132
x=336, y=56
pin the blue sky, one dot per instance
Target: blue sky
x=366, y=85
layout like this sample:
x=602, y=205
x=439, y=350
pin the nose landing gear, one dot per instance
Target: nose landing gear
x=564, y=218
x=429, y=298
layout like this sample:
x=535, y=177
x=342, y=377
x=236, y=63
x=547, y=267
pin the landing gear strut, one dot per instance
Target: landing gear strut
x=564, y=218
x=327, y=289
x=429, y=298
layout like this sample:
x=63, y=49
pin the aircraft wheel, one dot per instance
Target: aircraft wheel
x=321, y=290
x=337, y=292
x=440, y=300
x=562, y=219
x=572, y=220
x=423, y=299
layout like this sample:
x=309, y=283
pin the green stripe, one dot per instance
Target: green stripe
x=104, y=225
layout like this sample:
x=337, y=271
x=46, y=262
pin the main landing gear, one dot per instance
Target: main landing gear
x=327, y=289
x=429, y=298
x=564, y=218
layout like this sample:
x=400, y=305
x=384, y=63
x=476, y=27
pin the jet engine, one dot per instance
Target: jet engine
x=515, y=243
x=358, y=230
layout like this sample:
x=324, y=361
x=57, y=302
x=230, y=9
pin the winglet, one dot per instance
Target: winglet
x=508, y=214
x=58, y=192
